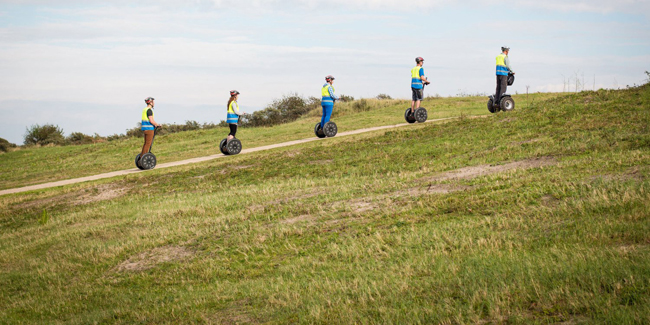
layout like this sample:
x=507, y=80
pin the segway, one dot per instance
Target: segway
x=420, y=114
x=506, y=103
x=148, y=161
x=231, y=147
x=329, y=130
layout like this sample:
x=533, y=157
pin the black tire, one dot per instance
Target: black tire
x=330, y=129
x=408, y=116
x=421, y=115
x=222, y=146
x=148, y=161
x=507, y=104
x=491, y=107
x=233, y=146
x=136, y=162
x=318, y=131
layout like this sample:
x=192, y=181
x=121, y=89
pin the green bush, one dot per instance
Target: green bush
x=44, y=135
x=280, y=111
x=5, y=145
x=383, y=96
x=345, y=98
x=76, y=138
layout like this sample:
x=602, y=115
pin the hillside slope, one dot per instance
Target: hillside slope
x=535, y=216
x=39, y=165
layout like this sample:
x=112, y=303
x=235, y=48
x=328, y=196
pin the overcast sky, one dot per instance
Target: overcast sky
x=88, y=65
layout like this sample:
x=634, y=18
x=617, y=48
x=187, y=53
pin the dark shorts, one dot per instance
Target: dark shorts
x=418, y=94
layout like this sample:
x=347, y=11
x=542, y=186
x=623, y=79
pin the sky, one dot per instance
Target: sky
x=87, y=66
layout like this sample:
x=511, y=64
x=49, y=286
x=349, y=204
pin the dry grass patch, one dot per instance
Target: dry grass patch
x=483, y=170
x=97, y=193
x=152, y=258
x=301, y=218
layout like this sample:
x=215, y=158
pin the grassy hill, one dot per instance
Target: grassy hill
x=535, y=216
x=46, y=164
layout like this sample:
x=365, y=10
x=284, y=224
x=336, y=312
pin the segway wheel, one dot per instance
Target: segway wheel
x=421, y=115
x=318, y=131
x=136, y=161
x=222, y=146
x=330, y=129
x=148, y=161
x=233, y=147
x=490, y=105
x=408, y=116
x=507, y=103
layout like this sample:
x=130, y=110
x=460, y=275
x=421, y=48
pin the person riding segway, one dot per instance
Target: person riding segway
x=418, y=81
x=231, y=145
x=327, y=128
x=505, y=77
x=146, y=159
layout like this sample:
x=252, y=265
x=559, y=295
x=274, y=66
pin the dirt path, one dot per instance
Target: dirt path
x=198, y=159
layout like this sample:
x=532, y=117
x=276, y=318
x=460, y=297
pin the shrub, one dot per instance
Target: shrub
x=43, y=135
x=361, y=105
x=345, y=99
x=280, y=111
x=5, y=145
x=383, y=96
x=135, y=132
x=76, y=138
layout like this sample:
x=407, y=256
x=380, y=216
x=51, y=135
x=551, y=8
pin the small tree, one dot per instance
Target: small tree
x=43, y=135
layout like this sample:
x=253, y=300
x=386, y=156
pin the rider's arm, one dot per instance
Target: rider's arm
x=507, y=61
x=331, y=91
x=153, y=121
x=422, y=76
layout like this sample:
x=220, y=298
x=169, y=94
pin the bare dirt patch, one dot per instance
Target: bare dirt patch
x=292, y=154
x=359, y=206
x=549, y=201
x=152, y=258
x=482, y=170
x=302, y=218
x=102, y=192
x=432, y=189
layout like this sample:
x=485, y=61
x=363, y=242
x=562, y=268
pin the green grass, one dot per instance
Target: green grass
x=361, y=229
x=46, y=164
